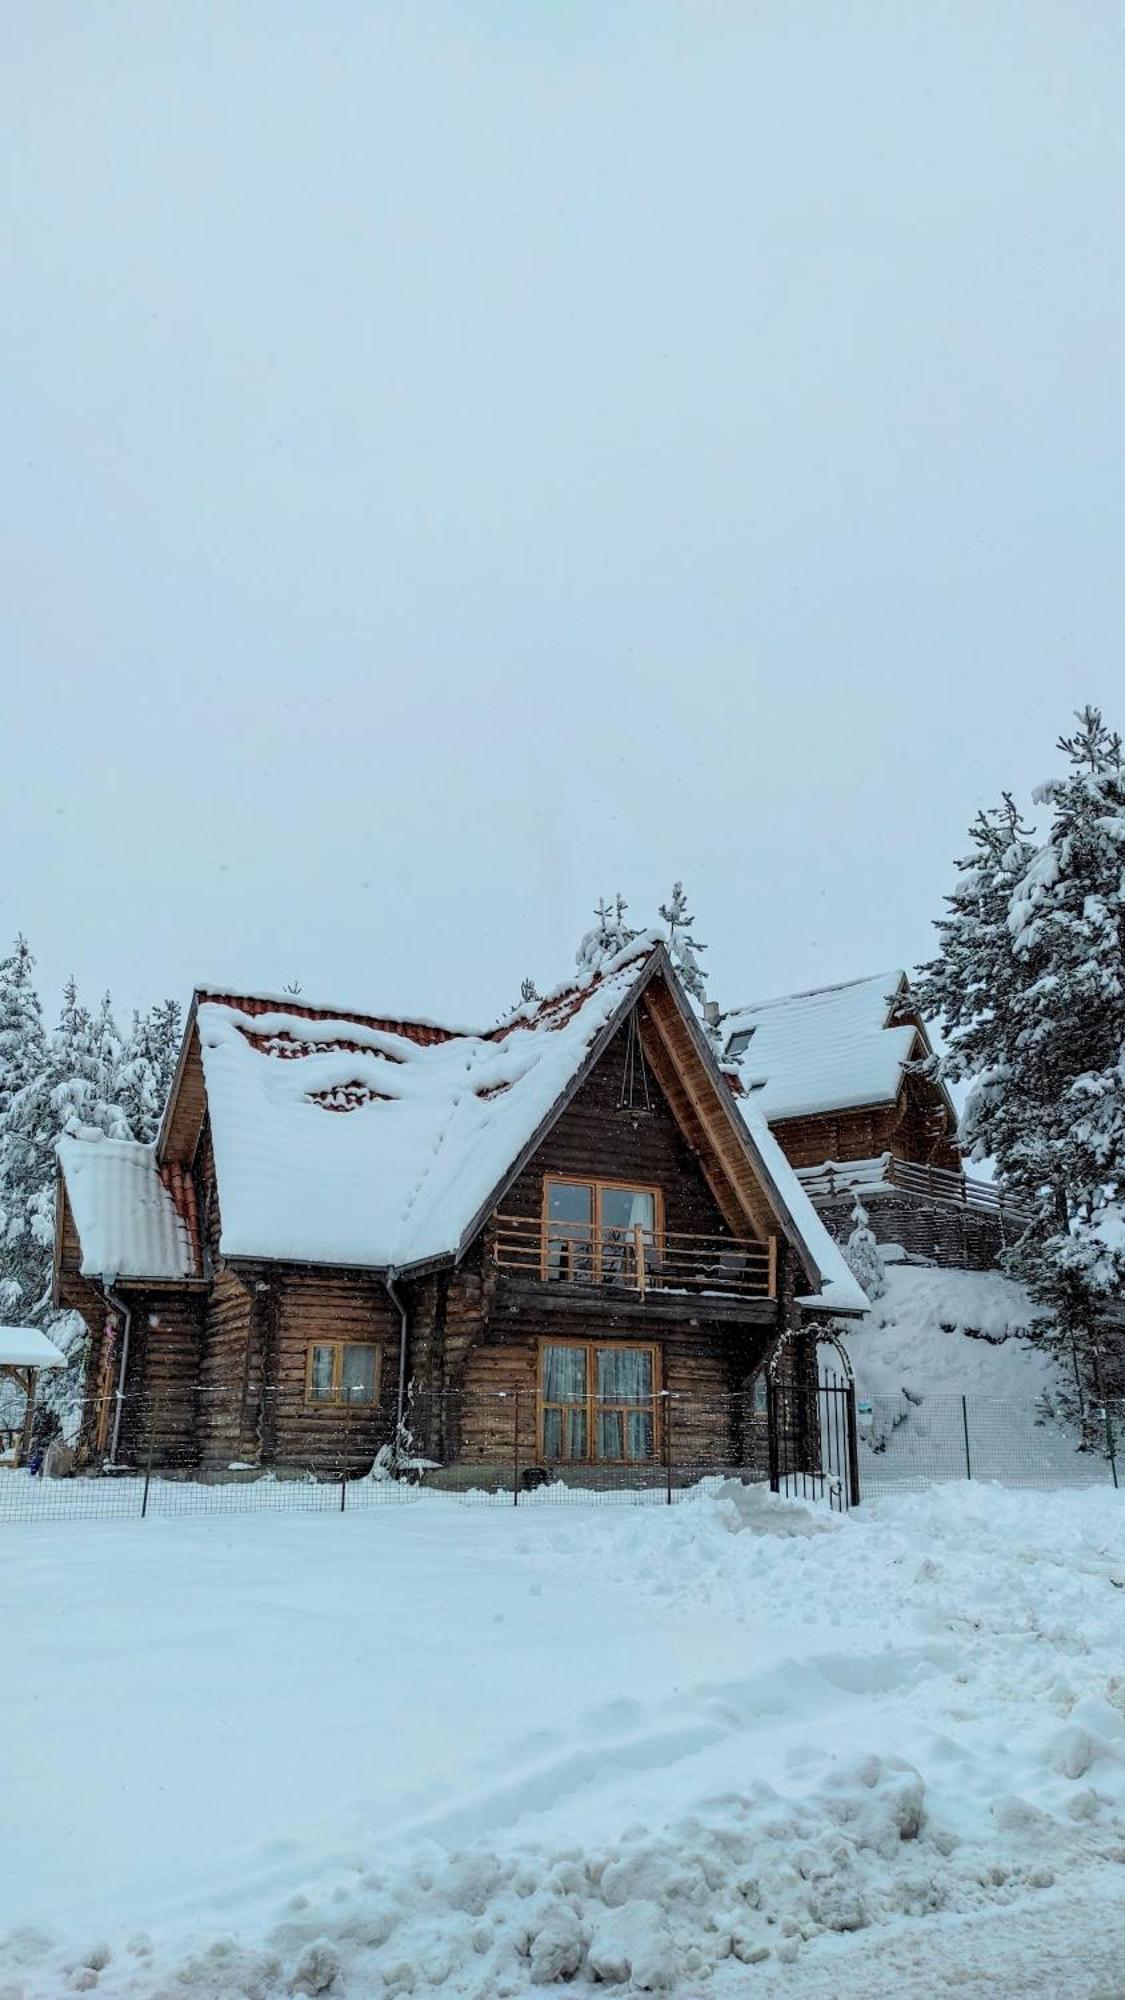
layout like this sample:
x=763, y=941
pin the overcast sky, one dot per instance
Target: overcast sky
x=465, y=458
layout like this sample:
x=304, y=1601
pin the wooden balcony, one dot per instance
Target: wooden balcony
x=637, y=1262
x=842, y=1177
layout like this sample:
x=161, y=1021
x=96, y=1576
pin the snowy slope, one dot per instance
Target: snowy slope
x=953, y=1333
x=652, y=1748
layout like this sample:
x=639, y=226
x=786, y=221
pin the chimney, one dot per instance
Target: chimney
x=711, y=1013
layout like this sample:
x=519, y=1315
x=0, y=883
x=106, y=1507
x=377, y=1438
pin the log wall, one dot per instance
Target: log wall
x=906, y=1129
x=311, y=1307
x=231, y=1364
x=161, y=1399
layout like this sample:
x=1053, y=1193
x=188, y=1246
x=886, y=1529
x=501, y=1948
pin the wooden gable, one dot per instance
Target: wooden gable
x=694, y=1130
x=620, y=1125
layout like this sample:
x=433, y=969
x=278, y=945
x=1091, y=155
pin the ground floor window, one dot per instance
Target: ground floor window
x=598, y=1402
x=342, y=1371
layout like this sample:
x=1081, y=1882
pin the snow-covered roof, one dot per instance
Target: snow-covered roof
x=826, y=1050
x=346, y=1140
x=26, y=1347
x=127, y=1222
x=337, y=1143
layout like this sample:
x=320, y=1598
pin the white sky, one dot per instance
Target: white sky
x=463, y=458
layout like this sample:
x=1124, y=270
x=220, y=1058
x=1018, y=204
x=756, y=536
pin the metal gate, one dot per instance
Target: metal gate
x=813, y=1448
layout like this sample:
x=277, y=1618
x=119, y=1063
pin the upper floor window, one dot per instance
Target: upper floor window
x=593, y=1229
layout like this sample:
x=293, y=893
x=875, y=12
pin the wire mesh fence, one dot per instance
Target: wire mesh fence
x=907, y=1442
x=244, y=1447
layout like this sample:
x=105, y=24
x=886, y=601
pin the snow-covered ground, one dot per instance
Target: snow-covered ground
x=735, y=1746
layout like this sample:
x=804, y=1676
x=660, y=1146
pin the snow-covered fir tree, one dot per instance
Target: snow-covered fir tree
x=72, y=1091
x=972, y=986
x=1030, y=989
x=609, y=934
x=22, y=1040
x=683, y=948
x=22, y=1053
x=147, y=1065
x=863, y=1256
x=1068, y=936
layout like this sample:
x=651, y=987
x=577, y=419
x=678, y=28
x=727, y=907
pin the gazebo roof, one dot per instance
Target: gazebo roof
x=26, y=1347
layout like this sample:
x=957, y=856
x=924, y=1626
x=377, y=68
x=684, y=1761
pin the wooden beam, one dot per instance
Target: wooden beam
x=711, y=1116
x=667, y=1073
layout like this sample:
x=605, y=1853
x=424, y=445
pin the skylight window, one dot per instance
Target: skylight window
x=738, y=1044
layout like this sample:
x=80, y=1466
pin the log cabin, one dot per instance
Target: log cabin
x=537, y=1237
x=834, y=1072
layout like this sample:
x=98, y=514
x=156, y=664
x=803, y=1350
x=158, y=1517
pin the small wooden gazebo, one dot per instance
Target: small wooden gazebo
x=23, y=1352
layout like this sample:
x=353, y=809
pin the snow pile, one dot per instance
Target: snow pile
x=669, y=1745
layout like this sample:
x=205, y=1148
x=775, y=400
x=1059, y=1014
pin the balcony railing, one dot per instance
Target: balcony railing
x=635, y=1259
x=839, y=1177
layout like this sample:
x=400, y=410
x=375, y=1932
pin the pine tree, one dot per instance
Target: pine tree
x=1030, y=989
x=22, y=1040
x=683, y=948
x=23, y=1048
x=863, y=1256
x=972, y=986
x=1068, y=937
x=72, y=1091
x=147, y=1066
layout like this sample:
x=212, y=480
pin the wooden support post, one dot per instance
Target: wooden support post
x=772, y=1278
x=28, y=1385
x=639, y=1253
x=516, y=1448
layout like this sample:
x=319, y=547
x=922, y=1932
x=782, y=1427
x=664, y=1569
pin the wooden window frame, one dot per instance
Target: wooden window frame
x=592, y=1404
x=336, y=1401
x=596, y=1183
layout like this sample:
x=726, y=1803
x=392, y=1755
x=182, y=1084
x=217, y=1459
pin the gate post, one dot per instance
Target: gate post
x=771, y=1429
x=853, y=1447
